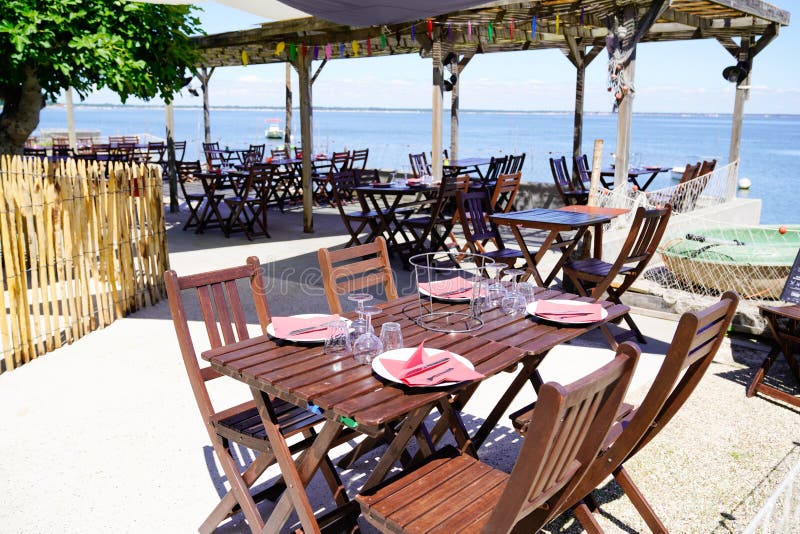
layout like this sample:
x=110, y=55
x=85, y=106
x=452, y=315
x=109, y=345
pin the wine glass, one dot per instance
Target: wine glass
x=360, y=324
x=368, y=345
x=495, y=289
x=513, y=302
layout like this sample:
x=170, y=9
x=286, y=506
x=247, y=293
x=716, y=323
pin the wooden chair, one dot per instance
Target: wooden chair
x=354, y=269
x=707, y=167
x=514, y=164
x=114, y=139
x=255, y=154
x=36, y=152
x=279, y=153
x=358, y=159
x=180, y=150
x=584, y=171
x=473, y=211
x=452, y=492
x=355, y=221
x=432, y=223
x=249, y=207
x=419, y=164
x=156, y=152
x=496, y=168
x=214, y=159
x=596, y=275
x=571, y=193
x=505, y=191
x=340, y=161
x=194, y=201
x=225, y=322
x=694, y=345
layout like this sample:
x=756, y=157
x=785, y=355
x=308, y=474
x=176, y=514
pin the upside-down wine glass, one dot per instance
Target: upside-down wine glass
x=514, y=302
x=368, y=345
x=360, y=324
x=495, y=289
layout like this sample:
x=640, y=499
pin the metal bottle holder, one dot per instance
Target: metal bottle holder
x=446, y=270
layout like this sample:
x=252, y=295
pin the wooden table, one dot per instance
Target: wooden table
x=784, y=323
x=596, y=210
x=555, y=222
x=469, y=164
x=387, y=203
x=634, y=175
x=213, y=183
x=348, y=395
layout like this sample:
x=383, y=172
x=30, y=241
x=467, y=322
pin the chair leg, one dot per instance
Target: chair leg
x=239, y=488
x=586, y=519
x=638, y=501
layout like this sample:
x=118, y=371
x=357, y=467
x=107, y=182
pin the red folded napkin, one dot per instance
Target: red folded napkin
x=565, y=312
x=284, y=325
x=413, y=372
x=458, y=287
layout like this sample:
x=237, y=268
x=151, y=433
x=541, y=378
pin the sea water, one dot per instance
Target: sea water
x=770, y=150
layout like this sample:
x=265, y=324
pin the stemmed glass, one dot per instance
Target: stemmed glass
x=495, y=289
x=514, y=302
x=360, y=324
x=368, y=345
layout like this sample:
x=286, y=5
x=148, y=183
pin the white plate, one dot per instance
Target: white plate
x=425, y=293
x=531, y=309
x=320, y=339
x=403, y=355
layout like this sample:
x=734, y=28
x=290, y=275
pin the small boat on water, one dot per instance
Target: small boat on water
x=753, y=261
x=273, y=130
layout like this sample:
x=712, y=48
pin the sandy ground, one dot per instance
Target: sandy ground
x=104, y=435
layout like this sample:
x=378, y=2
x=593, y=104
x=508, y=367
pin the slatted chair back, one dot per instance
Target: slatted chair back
x=221, y=306
x=155, y=151
x=258, y=152
x=690, y=172
x=496, y=167
x=130, y=139
x=569, y=191
x=186, y=171
x=280, y=153
x=505, y=191
x=37, y=152
x=571, y=424
x=707, y=167
x=644, y=236
x=356, y=269
x=358, y=159
x=694, y=345
x=340, y=161
x=113, y=139
x=473, y=211
x=514, y=164
x=584, y=172
x=180, y=150
x=419, y=164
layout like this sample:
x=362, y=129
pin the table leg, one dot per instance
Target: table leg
x=648, y=182
x=530, y=260
x=598, y=241
x=565, y=252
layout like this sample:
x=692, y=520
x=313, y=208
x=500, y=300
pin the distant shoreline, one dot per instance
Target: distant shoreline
x=280, y=110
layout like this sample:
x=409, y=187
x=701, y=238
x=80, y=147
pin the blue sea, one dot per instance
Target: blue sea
x=770, y=153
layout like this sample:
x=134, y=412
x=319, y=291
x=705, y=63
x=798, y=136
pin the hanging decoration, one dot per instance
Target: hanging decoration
x=413, y=32
x=469, y=29
x=328, y=51
x=580, y=18
x=316, y=52
x=369, y=47
x=245, y=58
x=303, y=51
x=558, y=23
x=490, y=34
x=429, y=28
x=341, y=50
x=279, y=48
x=292, y=51
x=383, y=41
x=448, y=32
x=511, y=29
x=354, y=46
x=533, y=29
x=618, y=58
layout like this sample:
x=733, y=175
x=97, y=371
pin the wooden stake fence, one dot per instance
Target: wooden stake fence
x=81, y=244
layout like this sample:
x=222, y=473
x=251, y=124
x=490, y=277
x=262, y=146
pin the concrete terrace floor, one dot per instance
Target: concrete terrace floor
x=104, y=435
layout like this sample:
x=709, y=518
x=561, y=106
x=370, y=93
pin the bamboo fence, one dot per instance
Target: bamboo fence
x=81, y=244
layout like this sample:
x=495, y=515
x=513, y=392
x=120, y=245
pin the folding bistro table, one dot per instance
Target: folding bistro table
x=647, y=174
x=555, y=222
x=348, y=395
x=784, y=323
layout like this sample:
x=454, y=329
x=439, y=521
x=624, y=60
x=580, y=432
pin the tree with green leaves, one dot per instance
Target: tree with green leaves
x=46, y=46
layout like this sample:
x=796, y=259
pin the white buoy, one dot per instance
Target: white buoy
x=744, y=183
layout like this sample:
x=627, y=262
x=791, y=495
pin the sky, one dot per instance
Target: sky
x=677, y=77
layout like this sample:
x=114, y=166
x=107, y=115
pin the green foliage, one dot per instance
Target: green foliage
x=134, y=49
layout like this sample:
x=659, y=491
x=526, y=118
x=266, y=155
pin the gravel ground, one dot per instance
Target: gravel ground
x=89, y=453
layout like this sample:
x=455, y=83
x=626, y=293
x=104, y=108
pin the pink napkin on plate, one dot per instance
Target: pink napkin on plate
x=458, y=287
x=284, y=325
x=564, y=312
x=413, y=372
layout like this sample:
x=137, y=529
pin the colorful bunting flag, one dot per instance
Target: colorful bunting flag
x=430, y=28
x=292, y=51
x=279, y=48
x=354, y=45
x=558, y=22
x=245, y=58
x=491, y=32
x=469, y=29
x=369, y=47
x=383, y=41
x=316, y=52
x=328, y=51
x=341, y=50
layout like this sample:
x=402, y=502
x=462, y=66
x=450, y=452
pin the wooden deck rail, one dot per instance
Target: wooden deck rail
x=81, y=244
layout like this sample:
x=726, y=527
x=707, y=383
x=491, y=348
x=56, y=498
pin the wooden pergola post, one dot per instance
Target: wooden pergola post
x=436, y=105
x=204, y=75
x=302, y=64
x=456, y=67
x=287, y=127
x=172, y=171
x=580, y=59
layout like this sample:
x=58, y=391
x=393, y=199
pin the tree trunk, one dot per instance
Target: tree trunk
x=20, y=115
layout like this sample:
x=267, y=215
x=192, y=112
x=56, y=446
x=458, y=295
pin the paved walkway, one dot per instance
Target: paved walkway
x=104, y=436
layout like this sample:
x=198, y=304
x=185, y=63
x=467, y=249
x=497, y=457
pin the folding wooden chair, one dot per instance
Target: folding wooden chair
x=452, y=492
x=473, y=212
x=496, y=167
x=694, y=345
x=597, y=275
x=514, y=164
x=340, y=161
x=194, y=201
x=358, y=159
x=505, y=191
x=419, y=164
x=354, y=269
x=584, y=172
x=225, y=322
x=249, y=208
x=570, y=191
x=355, y=221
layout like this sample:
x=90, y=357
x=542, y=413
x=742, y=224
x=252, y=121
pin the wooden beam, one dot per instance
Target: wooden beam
x=319, y=69
x=303, y=66
x=729, y=45
x=766, y=38
x=758, y=8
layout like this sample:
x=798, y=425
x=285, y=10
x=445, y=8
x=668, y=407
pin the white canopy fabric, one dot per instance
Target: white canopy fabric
x=349, y=12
